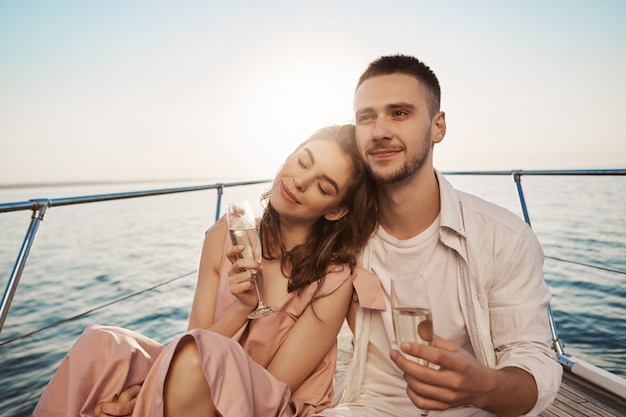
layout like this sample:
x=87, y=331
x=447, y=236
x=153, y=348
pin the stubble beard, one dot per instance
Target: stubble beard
x=408, y=169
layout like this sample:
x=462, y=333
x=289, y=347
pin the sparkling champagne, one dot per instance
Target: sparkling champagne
x=249, y=238
x=415, y=325
x=243, y=231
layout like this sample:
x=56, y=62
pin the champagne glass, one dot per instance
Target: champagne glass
x=243, y=231
x=412, y=317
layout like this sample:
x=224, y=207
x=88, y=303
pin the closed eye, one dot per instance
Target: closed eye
x=322, y=190
x=326, y=179
x=302, y=164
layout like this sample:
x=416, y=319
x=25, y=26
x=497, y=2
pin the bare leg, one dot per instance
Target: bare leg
x=186, y=392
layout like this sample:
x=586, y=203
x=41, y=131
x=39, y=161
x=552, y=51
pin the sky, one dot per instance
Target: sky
x=137, y=90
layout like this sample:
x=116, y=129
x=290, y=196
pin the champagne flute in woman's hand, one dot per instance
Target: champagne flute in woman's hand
x=412, y=318
x=243, y=231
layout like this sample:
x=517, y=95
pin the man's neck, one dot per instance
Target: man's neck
x=408, y=208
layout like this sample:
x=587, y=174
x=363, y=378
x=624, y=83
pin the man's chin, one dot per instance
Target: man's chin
x=389, y=178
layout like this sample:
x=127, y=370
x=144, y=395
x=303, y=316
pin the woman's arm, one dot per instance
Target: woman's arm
x=202, y=314
x=205, y=297
x=311, y=337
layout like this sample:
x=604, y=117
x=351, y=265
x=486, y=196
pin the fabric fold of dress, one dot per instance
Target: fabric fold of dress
x=104, y=361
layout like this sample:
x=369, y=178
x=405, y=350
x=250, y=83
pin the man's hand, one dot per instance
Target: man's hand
x=121, y=406
x=459, y=379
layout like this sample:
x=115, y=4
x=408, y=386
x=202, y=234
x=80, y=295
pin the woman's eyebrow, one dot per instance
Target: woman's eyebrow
x=326, y=177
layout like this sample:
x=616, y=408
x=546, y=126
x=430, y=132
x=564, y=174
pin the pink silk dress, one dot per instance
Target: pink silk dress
x=106, y=360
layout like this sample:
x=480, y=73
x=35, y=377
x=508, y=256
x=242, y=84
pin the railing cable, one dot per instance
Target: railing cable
x=602, y=268
x=100, y=307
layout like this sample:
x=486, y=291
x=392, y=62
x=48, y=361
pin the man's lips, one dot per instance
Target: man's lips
x=383, y=152
x=288, y=195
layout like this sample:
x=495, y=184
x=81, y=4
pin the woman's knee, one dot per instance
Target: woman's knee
x=186, y=363
x=94, y=338
x=186, y=389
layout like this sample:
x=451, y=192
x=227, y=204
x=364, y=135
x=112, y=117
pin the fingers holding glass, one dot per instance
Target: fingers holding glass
x=412, y=316
x=243, y=232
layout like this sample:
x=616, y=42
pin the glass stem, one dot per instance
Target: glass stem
x=258, y=292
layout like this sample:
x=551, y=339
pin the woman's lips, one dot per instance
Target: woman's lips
x=288, y=195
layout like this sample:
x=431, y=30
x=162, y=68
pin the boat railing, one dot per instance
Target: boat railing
x=39, y=207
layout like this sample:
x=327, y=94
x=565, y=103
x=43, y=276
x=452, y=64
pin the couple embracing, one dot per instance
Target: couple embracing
x=351, y=207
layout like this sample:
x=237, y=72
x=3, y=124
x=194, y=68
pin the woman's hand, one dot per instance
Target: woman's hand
x=120, y=406
x=242, y=277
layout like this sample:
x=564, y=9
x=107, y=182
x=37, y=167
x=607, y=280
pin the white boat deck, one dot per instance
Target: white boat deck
x=579, y=398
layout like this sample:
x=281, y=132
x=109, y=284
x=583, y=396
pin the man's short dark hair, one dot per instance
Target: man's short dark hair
x=405, y=64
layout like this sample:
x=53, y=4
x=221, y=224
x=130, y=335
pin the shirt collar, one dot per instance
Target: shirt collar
x=451, y=216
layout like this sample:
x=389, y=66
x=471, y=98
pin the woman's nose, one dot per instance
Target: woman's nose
x=299, y=183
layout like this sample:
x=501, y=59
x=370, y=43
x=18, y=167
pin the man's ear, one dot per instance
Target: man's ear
x=438, y=127
x=336, y=214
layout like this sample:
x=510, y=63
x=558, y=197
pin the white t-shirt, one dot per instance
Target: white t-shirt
x=383, y=391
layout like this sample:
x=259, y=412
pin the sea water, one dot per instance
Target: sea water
x=145, y=251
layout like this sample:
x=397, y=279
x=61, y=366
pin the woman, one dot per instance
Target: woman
x=319, y=214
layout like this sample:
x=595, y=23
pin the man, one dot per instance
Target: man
x=482, y=264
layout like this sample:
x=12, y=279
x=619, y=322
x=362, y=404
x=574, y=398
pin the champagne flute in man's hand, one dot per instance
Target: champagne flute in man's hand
x=243, y=231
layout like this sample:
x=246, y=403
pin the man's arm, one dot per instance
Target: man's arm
x=462, y=380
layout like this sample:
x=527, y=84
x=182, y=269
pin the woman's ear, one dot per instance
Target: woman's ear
x=337, y=213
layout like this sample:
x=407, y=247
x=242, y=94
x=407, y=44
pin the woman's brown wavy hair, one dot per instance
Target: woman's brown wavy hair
x=330, y=242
